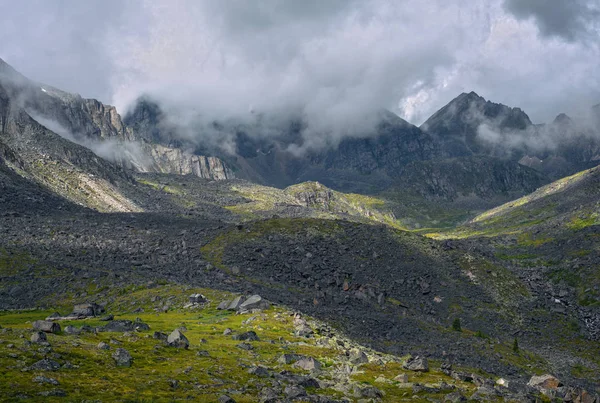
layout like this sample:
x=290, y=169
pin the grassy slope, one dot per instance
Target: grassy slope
x=225, y=370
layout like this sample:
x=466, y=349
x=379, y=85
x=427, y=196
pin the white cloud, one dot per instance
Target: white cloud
x=334, y=61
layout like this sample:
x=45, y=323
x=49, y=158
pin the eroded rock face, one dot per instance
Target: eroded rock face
x=177, y=161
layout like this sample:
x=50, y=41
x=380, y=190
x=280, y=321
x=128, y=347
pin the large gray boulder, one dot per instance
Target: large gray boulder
x=418, y=363
x=46, y=326
x=235, y=304
x=178, y=340
x=252, y=303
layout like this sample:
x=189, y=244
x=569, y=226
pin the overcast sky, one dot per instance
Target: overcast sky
x=228, y=57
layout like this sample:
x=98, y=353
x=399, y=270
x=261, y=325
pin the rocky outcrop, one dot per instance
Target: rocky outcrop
x=177, y=161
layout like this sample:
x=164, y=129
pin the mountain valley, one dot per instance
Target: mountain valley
x=412, y=263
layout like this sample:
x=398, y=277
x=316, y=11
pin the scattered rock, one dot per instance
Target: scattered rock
x=308, y=363
x=245, y=346
x=178, y=340
x=43, y=379
x=45, y=365
x=103, y=346
x=227, y=332
x=223, y=305
x=294, y=392
x=122, y=358
x=46, y=326
x=368, y=392
x=39, y=338
x=358, y=357
x=87, y=310
x=259, y=371
x=418, y=363
x=53, y=392
x=197, y=299
x=107, y=318
x=402, y=378
x=247, y=336
x=160, y=336
x=225, y=399
x=304, y=331
x=121, y=325
x=253, y=303
x=71, y=330
x=455, y=397
x=290, y=358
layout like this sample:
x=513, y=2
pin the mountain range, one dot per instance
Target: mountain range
x=470, y=241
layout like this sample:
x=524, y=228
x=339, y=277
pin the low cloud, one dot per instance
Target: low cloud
x=568, y=19
x=118, y=151
x=331, y=64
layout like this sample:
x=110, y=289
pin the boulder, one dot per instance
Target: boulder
x=87, y=310
x=124, y=326
x=223, y=305
x=544, y=382
x=45, y=365
x=225, y=399
x=227, y=332
x=247, y=336
x=290, y=358
x=39, y=338
x=252, y=303
x=402, y=378
x=54, y=316
x=454, y=397
x=358, y=357
x=294, y=392
x=245, y=346
x=178, y=340
x=103, y=346
x=259, y=371
x=235, y=304
x=122, y=358
x=46, y=326
x=308, y=364
x=198, y=299
x=43, y=379
x=303, y=331
x=418, y=363
x=369, y=392
x=71, y=330
x=160, y=336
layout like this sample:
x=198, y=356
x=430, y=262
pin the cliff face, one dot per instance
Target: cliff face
x=100, y=128
x=177, y=161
